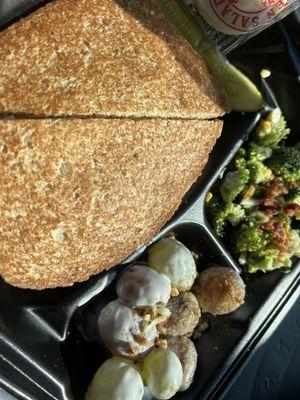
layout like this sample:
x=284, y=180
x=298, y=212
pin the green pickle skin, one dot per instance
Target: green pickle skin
x=242, y=93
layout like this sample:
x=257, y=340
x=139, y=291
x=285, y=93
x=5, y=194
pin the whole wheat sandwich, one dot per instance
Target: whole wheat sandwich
x=103, y=58
x=78, y=196
x=103, y=129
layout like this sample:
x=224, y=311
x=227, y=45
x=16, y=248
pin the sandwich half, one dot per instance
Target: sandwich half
x=103, y=58
x=78, y=196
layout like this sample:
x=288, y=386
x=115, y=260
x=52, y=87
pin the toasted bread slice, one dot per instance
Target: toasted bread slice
x=103, y=58
x=79, y=196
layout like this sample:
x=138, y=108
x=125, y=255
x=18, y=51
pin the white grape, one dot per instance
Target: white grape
x=174, y=259
x=116, y=379
x=162, y=372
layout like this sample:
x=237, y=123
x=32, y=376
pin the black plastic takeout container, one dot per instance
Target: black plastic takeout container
x=49, y=347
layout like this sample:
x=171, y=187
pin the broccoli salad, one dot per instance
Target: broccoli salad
x=256, y=205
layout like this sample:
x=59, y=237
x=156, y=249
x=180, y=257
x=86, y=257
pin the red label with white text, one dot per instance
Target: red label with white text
x=244, y=15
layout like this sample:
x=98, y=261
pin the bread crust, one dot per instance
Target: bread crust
x=79, y=196
x=103, y=58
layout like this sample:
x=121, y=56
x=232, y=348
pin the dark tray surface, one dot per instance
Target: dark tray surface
x=273, y=371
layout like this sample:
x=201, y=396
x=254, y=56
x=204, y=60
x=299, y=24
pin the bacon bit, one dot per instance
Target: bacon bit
x=273, y=224
x=291, y=209
x=289, y=213
x=269, y=202
x=276, y=188
x=277, y=226
x=280, y=240
x=277, y=229
x=267, y=226
x=269, y=212
x=265, y=202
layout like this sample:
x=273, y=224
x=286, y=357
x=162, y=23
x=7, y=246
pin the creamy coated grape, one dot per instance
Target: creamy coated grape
x=141, y=286
x=124, y=331
x=174, y=259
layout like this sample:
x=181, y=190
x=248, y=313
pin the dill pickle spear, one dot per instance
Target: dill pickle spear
x=242, y=93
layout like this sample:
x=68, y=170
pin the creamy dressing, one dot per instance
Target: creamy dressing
x=123, y=330
x=141, y=286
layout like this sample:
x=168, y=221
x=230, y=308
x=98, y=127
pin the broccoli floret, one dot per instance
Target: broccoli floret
x=259, y=153
x=259, y=172
x=262, y=262
x=235, y=213
x=285, y=162
x=233, y=184
x=286, y=262
x=293, y=196
x=259, y=263
x=256, y=219
x=249, y=239
x=272, y=129
x=217, y=215
x=240, y=158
